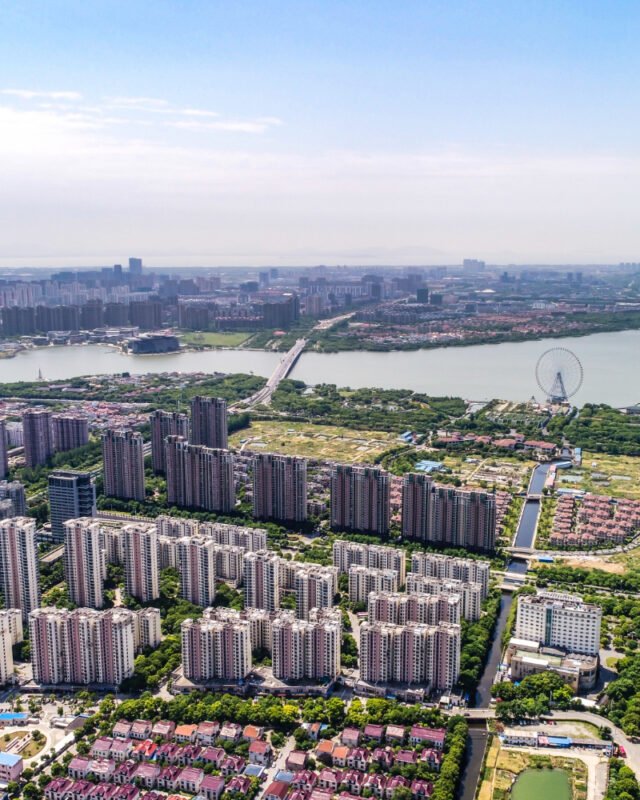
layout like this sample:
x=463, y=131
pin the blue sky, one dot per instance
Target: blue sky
x=319, y=132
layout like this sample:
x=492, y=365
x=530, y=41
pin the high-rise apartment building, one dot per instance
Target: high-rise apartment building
x=135, y=266
x=315, y=587
x=199, y=477
x=426, y=609
x=555, y=619
x=11, y=620
x=444, y=515
x=19, y=576
x=470, y=594
x=141, y=573
x=147, y=629
x=6, y=655
x=4, y=457
x=360, y=499
x=14, y=491
x=176, y=527
x=262, y=580
x=163, y=424
x=375, y=556
x=229, y=563
x=84, y=562
x=82, y=647
x=196, y=560
x=467, y=570
x=279, y=487
x=364, y=580
x=71, y=495
x=38, y=439
x=69, y=431
x=236, y=535
x=123, y=460
x=303, y=649
x=216, y=650
x=209, y=422
x=410, y=654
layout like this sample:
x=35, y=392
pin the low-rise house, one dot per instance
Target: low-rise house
x=101, y=748
x=213, y=755
x=231, y=731
x=319, y=794
x=79, y=767
x=394, y=783
x=352, y=780
x=190, y=779
x=384, y=757
x=124, y=773
x=350, y=737
x=329, y=779
x=340, y=755
x=207, y=732
x=102, y=769
x=376, y=784
x=296, y=760
x=147, y=775
x=431, y=737
x=189, y=754
x=145, y=750
x=168, y=752
x=212, y=787
x=168, y=778
x=305, y=780
x=395, y=734
x=432, y=757
x=140, y=729
x=185, y=733
x=325, y=748
x=374, y=733
x=406, y=757
x=239, y=784
x=421, y=789
x=252, y=732
x=358, y=758
x=260, y=753
x=58, y=789
x=121, y=750
x=122, y=729
x=163, y=729
x=277, y=790
x=232, y=765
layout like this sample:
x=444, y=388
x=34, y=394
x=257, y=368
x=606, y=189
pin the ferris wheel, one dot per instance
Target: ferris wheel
x=559, y=374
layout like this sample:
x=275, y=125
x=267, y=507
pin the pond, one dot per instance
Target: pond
x=533, y=784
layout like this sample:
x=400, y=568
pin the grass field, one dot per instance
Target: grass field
x=214, y=339
x=313, y=441
x=504, y=472
x=618, y=476
x=31, y=750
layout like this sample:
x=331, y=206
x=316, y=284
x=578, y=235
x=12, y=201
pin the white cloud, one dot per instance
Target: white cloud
x=29, y=94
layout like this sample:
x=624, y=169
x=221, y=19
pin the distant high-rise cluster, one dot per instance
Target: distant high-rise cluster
x=199, y=477
x=123, y=459
x=82, y=647
x=209, y=422
x=411, y=654
x=360, y=499
x=163, y=424
x=279, y=487
x=444, y=515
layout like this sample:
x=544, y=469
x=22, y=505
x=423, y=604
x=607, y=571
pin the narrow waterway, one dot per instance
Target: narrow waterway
x=477, y=739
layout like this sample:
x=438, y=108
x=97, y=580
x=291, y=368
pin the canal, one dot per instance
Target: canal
x=478, y=736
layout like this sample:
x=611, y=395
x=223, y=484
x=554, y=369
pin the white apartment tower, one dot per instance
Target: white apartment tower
x=305, y=649
x=315, y=587
x=262, y=580
x=363, y=581
x=140, y=546
x=369, y=555
x=196, y=560
x=216, y=649
x=19, y=575
x=84, y=562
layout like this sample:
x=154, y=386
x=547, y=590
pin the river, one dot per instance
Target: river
x=610, y=362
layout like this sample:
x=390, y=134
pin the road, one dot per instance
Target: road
x=278, y=764
x=263, y=397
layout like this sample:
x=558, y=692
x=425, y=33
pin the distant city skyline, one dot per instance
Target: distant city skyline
x=299, y=133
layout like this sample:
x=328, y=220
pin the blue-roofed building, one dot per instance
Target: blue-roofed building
x=254, y=771
x=285, y=776
x=429, y=466
x=11, y=766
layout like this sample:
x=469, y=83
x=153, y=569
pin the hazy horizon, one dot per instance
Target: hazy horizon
x=298, y=133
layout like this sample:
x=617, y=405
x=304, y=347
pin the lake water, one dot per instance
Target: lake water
x=535, y=783
x=611, y=364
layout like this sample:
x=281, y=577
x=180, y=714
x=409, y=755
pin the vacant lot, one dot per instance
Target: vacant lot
x=313, y=441
x=618, y=476
x=214, y=339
